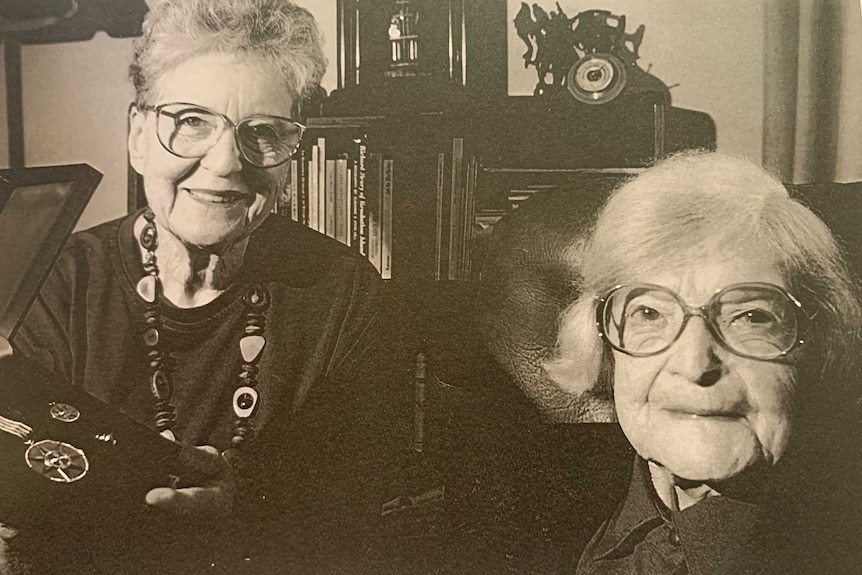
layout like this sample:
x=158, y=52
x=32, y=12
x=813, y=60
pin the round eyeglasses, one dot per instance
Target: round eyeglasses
x=190, y=131
x=753, y=320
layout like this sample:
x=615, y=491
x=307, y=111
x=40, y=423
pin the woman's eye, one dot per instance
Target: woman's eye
x=754, y=317
x=263, y=131
x=644, y=314
x=191, y=121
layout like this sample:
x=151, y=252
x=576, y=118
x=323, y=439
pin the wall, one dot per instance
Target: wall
x=75, y=101
x=76, y=95
x=712, y=50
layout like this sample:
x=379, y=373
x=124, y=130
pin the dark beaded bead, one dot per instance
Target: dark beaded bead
x=245, y=401
x=256, y=298
x=149, y=239
x=151, y=337
x=246, y=431
x=250, y=369
x=160, y=385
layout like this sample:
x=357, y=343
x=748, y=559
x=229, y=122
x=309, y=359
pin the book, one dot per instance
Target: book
x=467, y=222
x=441, y=251
x=329, y=200
x=302, y=186
x=456, y=207
x=386, y=219
x=362, y=200
x=374, y=206
x=313, y=188
x=342, y=201
x=354, y=198
x=321, y=186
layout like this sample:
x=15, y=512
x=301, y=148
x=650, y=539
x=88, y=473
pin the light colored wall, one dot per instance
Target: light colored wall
x=75, y=101
x=713, y=50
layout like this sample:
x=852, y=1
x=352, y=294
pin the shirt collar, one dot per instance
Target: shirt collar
x=714, y=533
x=639, y=514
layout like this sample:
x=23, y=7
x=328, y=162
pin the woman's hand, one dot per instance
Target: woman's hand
x=213, y=497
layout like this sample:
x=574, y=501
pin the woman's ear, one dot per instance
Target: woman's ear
x=576, y=365
x=137, y=139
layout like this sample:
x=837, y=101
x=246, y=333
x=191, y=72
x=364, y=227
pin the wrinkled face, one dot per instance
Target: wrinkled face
x=216, y=200
x=696, y=408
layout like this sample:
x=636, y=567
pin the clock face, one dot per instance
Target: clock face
x=596, y=78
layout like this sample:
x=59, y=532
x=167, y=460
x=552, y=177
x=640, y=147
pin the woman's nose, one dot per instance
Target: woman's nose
x=224, y=157
x=694, y=356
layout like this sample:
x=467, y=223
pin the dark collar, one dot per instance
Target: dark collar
x=635, y=518
x=717, y=535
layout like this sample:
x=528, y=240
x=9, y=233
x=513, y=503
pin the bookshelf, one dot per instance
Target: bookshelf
x=418, y=192
x=407, y=185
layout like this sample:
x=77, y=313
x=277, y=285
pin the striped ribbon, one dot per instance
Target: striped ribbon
x=22, y=430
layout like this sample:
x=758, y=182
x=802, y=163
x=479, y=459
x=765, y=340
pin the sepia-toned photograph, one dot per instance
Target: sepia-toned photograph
x=431, y=287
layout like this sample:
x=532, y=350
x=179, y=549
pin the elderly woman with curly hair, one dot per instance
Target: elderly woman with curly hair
x=728, y=333
x=211, y=321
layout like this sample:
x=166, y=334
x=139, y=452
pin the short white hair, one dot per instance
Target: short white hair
x=279, y=31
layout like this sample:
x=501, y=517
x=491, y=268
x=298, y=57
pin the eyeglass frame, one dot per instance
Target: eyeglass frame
x=234, y=128
x=802, y=319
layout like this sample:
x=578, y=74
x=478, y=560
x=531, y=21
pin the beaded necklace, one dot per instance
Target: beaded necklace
x=246, y=398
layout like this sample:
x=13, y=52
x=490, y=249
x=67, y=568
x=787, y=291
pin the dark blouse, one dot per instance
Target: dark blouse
x=718, y=535
x=314, y=457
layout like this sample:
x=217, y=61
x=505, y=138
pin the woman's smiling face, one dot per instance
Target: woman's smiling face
x=218, y=199
x=697, y=409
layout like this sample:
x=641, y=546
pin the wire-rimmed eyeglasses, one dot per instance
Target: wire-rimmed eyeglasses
x=753, y=320
x=190, y=131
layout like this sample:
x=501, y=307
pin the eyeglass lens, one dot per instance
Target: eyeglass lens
x=190, y=132
x=755, y=320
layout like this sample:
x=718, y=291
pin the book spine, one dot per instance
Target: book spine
x=441, y=253
x=363, y=200
x=350, y=197
x=342, y=201
x=386, y=219
x=354, y=199
x=321, y=186
x=469, y=214
x=313, y=189
x=330, y=198
x=456, y=207
x=374, y=195
x=302, y=161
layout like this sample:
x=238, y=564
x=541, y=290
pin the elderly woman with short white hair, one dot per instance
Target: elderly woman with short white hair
x=721, y=314
x=214, y=322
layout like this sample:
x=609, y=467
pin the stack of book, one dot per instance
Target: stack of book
x=340, y=188
x=456, y=205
